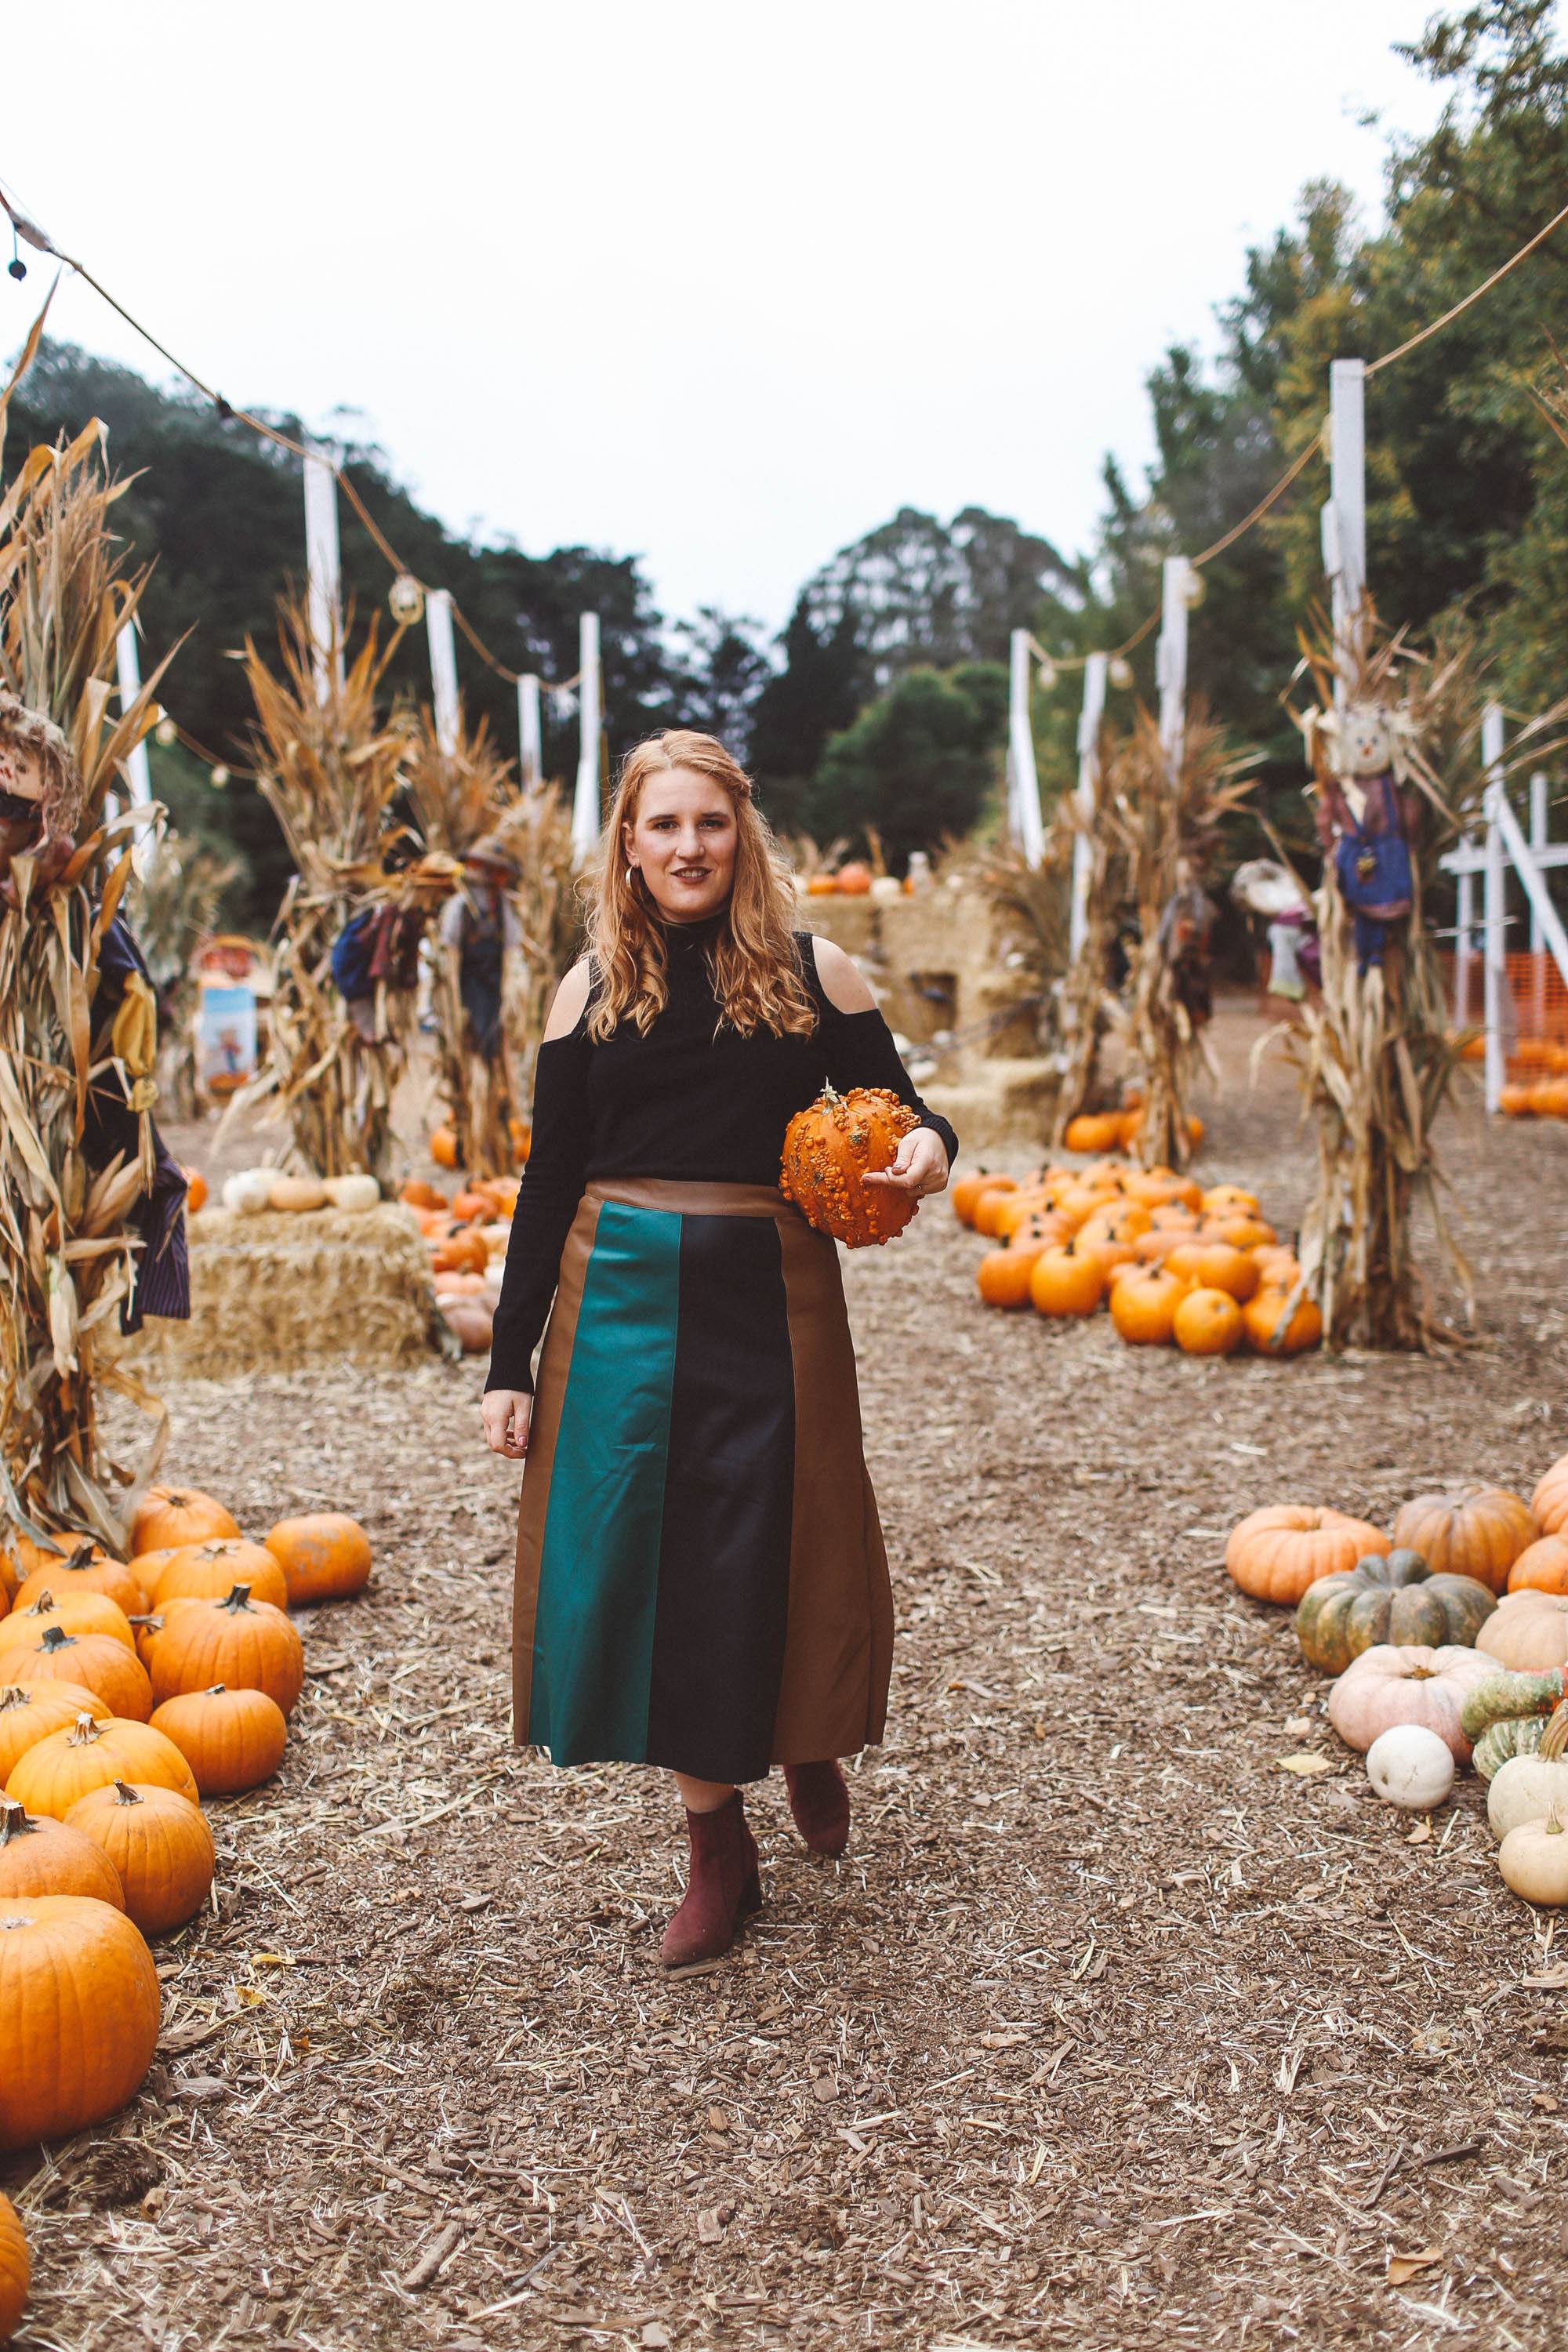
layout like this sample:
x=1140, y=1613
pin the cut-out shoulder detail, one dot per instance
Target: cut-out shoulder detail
x=843, y=983
x=570, y=1000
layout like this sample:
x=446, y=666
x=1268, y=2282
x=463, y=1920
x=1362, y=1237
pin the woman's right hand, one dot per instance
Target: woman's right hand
x=507, y=1414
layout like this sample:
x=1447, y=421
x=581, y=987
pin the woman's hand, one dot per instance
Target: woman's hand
x=920, y=1167
x=507, y=1414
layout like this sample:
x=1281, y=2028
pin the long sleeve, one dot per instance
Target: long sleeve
x=546, y=1203
x=862, y=1053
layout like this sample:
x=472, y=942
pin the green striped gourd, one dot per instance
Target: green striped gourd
x=1516, y=1735
x=1504, y=1696
x=1397, y=1599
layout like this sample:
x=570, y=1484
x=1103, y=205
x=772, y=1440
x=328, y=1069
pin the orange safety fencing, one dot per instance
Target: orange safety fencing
x=1535, y=1029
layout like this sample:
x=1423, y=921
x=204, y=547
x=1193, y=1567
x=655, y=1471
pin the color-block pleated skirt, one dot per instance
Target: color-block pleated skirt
x=701, y=1581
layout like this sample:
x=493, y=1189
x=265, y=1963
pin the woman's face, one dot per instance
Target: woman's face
x=683, y=842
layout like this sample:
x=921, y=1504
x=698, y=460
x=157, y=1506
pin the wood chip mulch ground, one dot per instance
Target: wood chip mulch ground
x=1109, y=2032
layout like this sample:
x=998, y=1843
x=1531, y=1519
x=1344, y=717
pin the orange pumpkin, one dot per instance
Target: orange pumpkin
x=1228, y=1201
x=964, y=1193
x=167, y=1516
x=855, y=879
x=1273, y=1331
x=1067, y=1281
x=324, y=1556
x=97, y=1661
x=460, y=1252
x=822, y=885
x=468, y=1206
x=87, y=1570
x=1093, y=1131
x=79, y=1995
x=1475, y=1531
x=1245, y=1233
x=208, y=1571
x=158, y=1843
x=1277, y=1552
x=28, y=1713
x=1003, y=1275
x=196, y=1189
x=232, y=1739
x=16, y=2271
x=1207, y=1323
x=418, y=1194
x=90, y=1755
x=77, y=1612
x=1549, y=1503
x=40, y=1855
x=831, y=1147
x=245, y=1644
x=1221, y=1266
x=1542, y=1567
x=1143, y=1307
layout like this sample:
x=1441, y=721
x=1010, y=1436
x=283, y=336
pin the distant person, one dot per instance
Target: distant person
x=701, y=1582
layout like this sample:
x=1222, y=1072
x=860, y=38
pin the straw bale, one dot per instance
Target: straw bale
x=273, y=1291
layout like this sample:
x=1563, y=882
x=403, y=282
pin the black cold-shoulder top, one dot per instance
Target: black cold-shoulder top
x=691, y=1099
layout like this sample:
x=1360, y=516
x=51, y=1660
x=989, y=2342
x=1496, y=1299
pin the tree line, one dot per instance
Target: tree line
x=881, y=704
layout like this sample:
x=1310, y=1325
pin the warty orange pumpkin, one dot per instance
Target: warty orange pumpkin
x=40, y=1855
x=80, y=2012
x=160, y=1844
x=831, y=1146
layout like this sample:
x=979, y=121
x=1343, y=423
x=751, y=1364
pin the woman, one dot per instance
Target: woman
x=701, y=1577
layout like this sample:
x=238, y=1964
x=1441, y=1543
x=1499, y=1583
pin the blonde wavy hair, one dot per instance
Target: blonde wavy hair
x=752, y=957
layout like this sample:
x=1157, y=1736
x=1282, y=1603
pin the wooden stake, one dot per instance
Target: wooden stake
x=324, y=565
x=1171, y=657
x=586, y=813
x=1494, y=906
x=443, y=668
x=1089, y=725
x=530, y=763
x=1027, y=824
x=1345, y=533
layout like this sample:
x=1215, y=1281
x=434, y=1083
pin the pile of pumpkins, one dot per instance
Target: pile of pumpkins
x=1448, y=1642
x=1174, y=1262
x=130, y=1690
x=467, y=1236
x=253, y=1190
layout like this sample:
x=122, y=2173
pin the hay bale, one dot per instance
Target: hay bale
x=999, y=1103
x=274, y=1291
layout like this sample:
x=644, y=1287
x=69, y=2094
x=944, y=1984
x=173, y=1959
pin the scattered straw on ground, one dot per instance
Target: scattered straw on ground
x=1109, y=2033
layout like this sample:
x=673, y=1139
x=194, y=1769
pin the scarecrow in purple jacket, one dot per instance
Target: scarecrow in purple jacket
x=40, y=807
x=1363, y=819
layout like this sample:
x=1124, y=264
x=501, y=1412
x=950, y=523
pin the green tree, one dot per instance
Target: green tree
x=922, y=762
x=814, y=696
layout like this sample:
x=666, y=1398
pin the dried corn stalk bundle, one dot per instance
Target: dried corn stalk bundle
x=459, y=797
x=1030, y=907
x=330, y=766
x=536, y=829
x=175, y=899
x=1164, y=821
x=67, y=1253
x=1374, y=1053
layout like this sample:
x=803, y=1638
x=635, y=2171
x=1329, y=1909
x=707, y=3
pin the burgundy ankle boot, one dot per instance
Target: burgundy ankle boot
x=819, y=1800
x=724, y=1888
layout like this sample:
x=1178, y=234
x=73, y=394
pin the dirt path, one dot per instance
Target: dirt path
x=1109, y=2033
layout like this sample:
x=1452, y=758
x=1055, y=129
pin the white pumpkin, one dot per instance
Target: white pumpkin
x=1403, y=1682
x=1410, y=1767
x=352, y=1194
x=246, y=1194
x=1533, y=1859
x=1526, y=1787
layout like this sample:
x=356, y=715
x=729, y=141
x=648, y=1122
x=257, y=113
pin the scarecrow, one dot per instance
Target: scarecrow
x=1363, y=818
x=41, y=800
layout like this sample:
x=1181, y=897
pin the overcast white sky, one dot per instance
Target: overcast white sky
x=719, y=282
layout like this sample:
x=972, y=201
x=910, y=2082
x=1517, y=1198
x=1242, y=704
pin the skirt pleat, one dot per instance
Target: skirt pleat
x=701, y=1581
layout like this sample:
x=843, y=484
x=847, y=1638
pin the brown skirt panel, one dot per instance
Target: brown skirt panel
x=832, y=1693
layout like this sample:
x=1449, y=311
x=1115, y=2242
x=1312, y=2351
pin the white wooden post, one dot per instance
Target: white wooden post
x=443, y=668
x=324, y=565
x=1171, y=658
x=586, y=814
x=1089, y=725
x=531, y=764
x=1494, y=904
x=1028, y=825
x=138, y=773
x=1344, y=534
x=1462, y=944
x=1538, y=842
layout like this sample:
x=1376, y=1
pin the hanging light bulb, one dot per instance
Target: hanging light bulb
x=1046, y=675
x=563, y=702
x=165, y=734
x=1121, y=671
x=406, y=600
x=1195, y=588
x=219, y=777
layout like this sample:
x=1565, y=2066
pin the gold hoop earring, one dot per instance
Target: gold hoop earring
x=631, y=872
